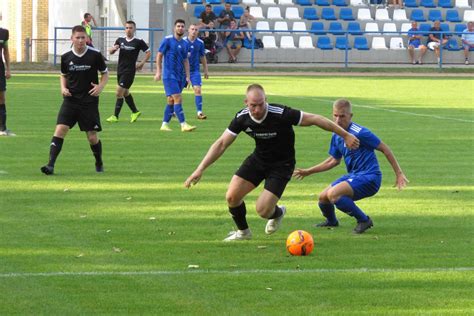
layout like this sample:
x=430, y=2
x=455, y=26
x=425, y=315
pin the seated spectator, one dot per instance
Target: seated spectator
x=234, y=41
x=414, y=41
x=435, y=40
x=206, y=17
x=246, y=22
x=211, y=38
x=225, y=17
x=468, y=41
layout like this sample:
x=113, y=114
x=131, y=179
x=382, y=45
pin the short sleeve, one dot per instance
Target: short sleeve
x=101, y=66
x=201, y=50
x=117, y=42
x=143, y=46
x=333, y=150
x=235, y=127
x=292, y=116
x=184, y=52
x=368, y=139
x=63, y=66
x=163, y=46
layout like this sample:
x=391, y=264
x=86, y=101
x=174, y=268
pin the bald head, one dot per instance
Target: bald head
x=256, y=101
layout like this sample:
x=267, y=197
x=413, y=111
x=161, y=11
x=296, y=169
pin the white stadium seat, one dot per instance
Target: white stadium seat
x=364, y=15
x=462, y=4
x=400, y=15
x=305, y=42
x=405, y=28
x=381, y=15
x=292, y=14
x=263, y=26
x=286, y=42
x=267, y=2
x=247, y=2
x=372, y=27
x=256, y=12
x=281, y=26
x=468, y=15
x=299, y=26
x=378, y=43
x=358, y=3
x=274, y=13
x=396, y=43
x=269, y=42
x=389, y=27
x=285, y=2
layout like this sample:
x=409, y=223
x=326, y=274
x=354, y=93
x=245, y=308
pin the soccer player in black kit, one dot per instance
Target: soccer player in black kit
x=4, y=75
x=130, y=47
x=80, y=88
x=273, y=160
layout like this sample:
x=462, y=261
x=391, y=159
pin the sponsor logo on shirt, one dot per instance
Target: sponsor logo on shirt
x=265, y=135
x=73, y=67
x=125, y=47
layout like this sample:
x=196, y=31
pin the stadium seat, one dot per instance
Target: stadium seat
x=445, y=27
x=427, y=4
x=217, y=9
x=335, y=28
x=269, y=41
x=373, y=28
x=340, y=3
x=435, y=15
x=328, y=14
x=400, y=15
x=287, y=42
x=304, y=2
x=198, y=10
x=341, y=43
x=267, y=2
x=262, y=26
x=256, y=12
x=358, y=3
x=249, y=2
x=396, y=43
x=238, y=11
x=195, y=1
x=452, y=16
x=274, y=13
x=417, y=15
x=324, y=42
x=389, y=27
x=346, y=14
x=285, y=2
x=292, y=13
x=452, y=45
x=468, y=15
x=232, y=2
x=310, y=14
x=364, y=15
x=305, y=42
x=405, y=28
x=445, y=4
x=299, y=26
x=382, y=15
x=459, y=28
x=213, y=1
x=425, y=28
x=354, y=28
x=378, y=43
x=317, y=28
x=411, y=4
x=360, y=43
x=281, y=26
x=462, y=4
x=322, y=3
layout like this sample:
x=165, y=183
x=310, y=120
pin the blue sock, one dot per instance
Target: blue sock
x=347, y=205
x=168, y=114
x=198, y=101
x=171, y=106
x=328, y=212
x=178, y=109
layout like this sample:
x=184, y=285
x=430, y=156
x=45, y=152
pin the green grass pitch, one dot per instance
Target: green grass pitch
x=121, y=242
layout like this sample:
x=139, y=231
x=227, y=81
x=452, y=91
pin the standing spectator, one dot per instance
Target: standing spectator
x=234, y=39
x=246, y=22
x=86, y=23
x=207, y=17
x=414, y=41
x=435, y=40
x=468, y=41
x=4, y=75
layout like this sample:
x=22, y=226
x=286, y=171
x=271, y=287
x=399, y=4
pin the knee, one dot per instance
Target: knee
x=264, y=211
x=232, y=200
x=177, y=99
x=170, y=100
x=332, y=196
x=323, y=198
x=92, y=138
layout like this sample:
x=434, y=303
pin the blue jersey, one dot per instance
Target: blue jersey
x=175, y=52
x=362, y=160
x=196, y=51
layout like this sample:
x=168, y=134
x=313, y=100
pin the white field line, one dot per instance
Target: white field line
x=229, y=272
x=439, y=117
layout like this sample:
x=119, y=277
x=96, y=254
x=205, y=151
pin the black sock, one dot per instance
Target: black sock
x=97, y=151
x=238, y=215
x=55, y=149
x=131, y=103
x=3, y=117
x=118, y=107
x=277, y=213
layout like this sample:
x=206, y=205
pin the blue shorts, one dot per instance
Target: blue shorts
x=415, y=43
x=364, y=185
x=196, y=78
x=173, y=86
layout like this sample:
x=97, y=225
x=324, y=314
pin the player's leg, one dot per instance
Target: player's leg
x=96, y=148
x=196, y=81
x=4, y=131
x=55, y=148
x=168, y=114
x=327, y=209
x=89, y=122
x=119, y=93
x=178, y=109
x=128, y=81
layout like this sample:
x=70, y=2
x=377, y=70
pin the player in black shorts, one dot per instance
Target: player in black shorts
x=273, y=160
x=130, y=47
x=80, y=88
x=4, y=75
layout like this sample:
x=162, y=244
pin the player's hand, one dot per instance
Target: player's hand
x=96, y=90
x=139, y=67
x=193, y=179
x=206, y=75
x=401, y=181
x=65, y=92
x=300, y=173
x=8, y=74
x=351, y=141
x=188, y=82
x=158, y=77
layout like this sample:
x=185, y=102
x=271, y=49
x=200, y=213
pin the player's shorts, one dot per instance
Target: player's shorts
x=432, y=45
x=364, y=185
x=276, y=176
x=173, y=86
x=196, y=78
x=3, y=79
x=85, y=114
x=125, y=80
x=415, y=43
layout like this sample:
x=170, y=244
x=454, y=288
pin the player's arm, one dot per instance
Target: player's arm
x=310, y=119
x=204, y=67
x=215, y=151
x=97, y=88
x=144, y=60
x=159, y=65
x=187, y=71
x=402, y=180
x=114, y=48
x=64, y=89
x=325, y=165
x=6, y=56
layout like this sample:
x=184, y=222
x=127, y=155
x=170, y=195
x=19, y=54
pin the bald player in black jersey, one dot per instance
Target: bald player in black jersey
x=273, y=160
x=80, y=88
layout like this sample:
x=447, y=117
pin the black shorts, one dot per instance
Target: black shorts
x=276, y=176
x=85, y=114
x=125, y=80
x=3, y=79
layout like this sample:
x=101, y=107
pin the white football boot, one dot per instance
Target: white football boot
x=274, y=224
x=245, y=234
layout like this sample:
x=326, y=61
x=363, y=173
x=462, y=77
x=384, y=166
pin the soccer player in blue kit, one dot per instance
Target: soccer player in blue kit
x=173, y=62
x=364, y=176
x=196, y=55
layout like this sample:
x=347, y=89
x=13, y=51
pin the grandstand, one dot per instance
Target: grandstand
x=320, y=31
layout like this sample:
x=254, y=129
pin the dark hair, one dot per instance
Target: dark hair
x=179, y=21
x=131, y=22
x=208, y=6
x=86, y=15
x=78, y=28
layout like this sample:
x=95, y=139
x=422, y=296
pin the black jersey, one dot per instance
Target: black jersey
x=4, y=36
x=129, y=50
x=274, y=135
x=81, y=70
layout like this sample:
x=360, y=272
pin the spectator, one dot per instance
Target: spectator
x=206, y=17
x=468, y=41
x=234, y=41
x=435, y=39
x=86, y=23
x=414, y=41
x=246, y=22
x=212, y=44
x=226, y=16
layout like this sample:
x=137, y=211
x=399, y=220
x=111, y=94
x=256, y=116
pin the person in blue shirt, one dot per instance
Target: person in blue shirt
x=414, y=42
x=173, y=66
x=364, y=176
x=196, y=56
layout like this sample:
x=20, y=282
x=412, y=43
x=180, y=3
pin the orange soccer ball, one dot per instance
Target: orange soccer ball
x=300, y=243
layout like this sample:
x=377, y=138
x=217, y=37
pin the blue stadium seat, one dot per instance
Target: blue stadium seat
x=354, y=28
x=425, y=28
x=435, y=15
x=346, y=14
x=303, y=2
x=324, y=42
x=232, y=2
x=328, y=14
x=198, y=10
x=238, y=11
x=411, y=4
x=427, y=3
x=341, y=43
x=417, y=15
x=452, y=16
x=317, y=28
x=459, y=28
x=213, y=1
x=335, y=28
x=445, y=27
x=452, y=45
x=340, y=3
x=195, y=1
x=445, y=4
x=323, y=3
x=310, y=14
x=217, y=9
x=360, y=43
